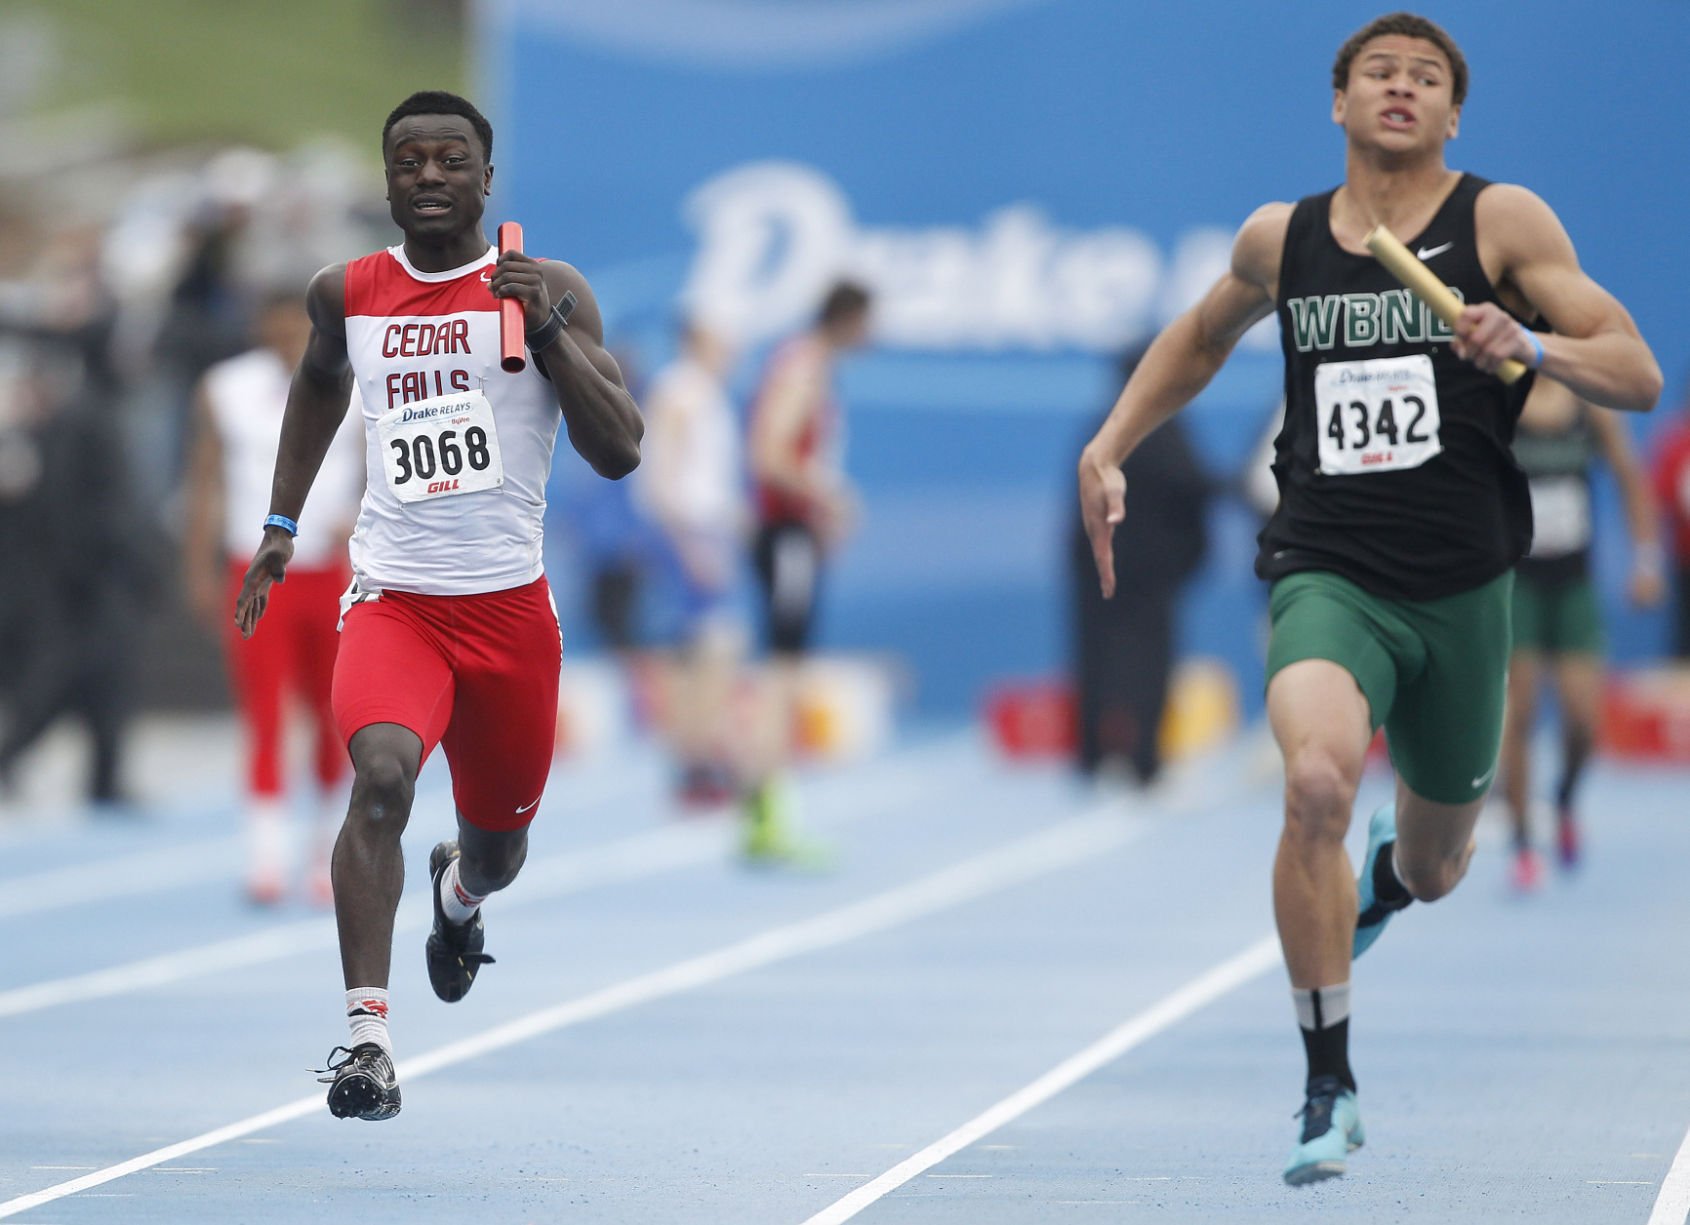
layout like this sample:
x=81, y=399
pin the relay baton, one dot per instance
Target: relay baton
x=511, y=332
x=1423, y=283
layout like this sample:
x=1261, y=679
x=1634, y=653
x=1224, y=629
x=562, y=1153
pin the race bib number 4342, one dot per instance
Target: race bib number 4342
x=1377, y=415
x=441, y=447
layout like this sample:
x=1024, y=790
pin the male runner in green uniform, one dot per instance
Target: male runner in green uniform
x=1557, y=627
x=1401, y=513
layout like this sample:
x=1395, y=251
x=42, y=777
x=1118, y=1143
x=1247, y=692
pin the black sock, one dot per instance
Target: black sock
x=1388, y=891
x=1323, y=1016
x=1575, y=753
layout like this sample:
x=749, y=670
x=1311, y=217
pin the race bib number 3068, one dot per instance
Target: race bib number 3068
x=1377, y=415
x=441, y=447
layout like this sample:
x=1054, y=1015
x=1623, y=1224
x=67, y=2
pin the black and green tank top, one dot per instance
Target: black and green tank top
x=1557, y=466
x=1393, y=465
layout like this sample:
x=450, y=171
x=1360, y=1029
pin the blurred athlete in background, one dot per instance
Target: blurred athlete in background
x=1557, y=625
x=691, y=482
x=805, y=509
x=238, y=409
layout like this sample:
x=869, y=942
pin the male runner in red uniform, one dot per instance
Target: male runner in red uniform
x=449, y=634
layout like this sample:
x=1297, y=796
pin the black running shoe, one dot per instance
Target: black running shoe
x=363, y=1084
x=454, y=949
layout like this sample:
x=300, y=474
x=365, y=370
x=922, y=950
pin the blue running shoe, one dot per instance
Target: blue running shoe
x=1331, y=1131
x=1372, y=914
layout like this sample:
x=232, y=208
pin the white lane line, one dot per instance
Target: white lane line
x=270, y=1118
x=1234, y=972
x=1672, y=1205
x=1073, y=843
x=147, y=872
x=200, y=861
x=191, y=863
x=647, y=854
x=642, y=855
x=270, y=945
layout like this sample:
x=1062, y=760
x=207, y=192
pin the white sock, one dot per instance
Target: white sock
x=1321, y=1007
x=268, y=843
x=459, y=904
x=366, y=1013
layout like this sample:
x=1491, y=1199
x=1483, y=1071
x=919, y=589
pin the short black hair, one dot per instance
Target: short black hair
x=845, y=300
x=1410, y=25
x=439, y=102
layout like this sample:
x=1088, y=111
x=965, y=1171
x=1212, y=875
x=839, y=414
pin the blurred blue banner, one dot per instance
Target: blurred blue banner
x=1029, y=185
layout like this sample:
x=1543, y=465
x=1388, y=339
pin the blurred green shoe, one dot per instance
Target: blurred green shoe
x=769, y=840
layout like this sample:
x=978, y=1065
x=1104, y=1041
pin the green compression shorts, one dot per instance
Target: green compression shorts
x=1556, y=618
x=1434, y=672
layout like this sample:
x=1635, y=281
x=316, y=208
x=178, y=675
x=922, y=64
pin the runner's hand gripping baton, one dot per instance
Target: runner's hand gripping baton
x=512, y=358
x=1423, y=283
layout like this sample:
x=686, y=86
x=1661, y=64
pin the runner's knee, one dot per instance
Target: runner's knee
x=489, y=863
x=1430, y=878
x=1319, y=792
x=382, y=789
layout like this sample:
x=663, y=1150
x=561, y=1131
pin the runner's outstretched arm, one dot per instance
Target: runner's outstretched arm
x=1178, y=365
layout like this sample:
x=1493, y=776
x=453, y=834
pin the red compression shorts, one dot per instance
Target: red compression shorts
x=476, y=674
x=294, y=650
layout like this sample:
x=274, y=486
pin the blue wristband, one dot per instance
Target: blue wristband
x=1537, y=363
x=283, y=522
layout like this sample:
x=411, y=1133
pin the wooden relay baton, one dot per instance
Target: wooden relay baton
x=1424, y=284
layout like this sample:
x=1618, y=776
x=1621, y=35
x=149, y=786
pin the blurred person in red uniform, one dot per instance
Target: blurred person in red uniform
x=449, y=634
x=238, y=407
x=1672, y=489
x=804, y=508
x=691, y=482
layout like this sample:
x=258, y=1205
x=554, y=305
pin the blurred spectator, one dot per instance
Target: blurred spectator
x=238, y=409
x=614, y=543
x=691, y=482
x=1123, y=648
x=805, y=509
x=206, y=319
x=1672, y=489
x=73, y=573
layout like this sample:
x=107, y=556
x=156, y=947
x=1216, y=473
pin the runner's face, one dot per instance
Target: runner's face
x=1400, y=96
x=437, y=176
